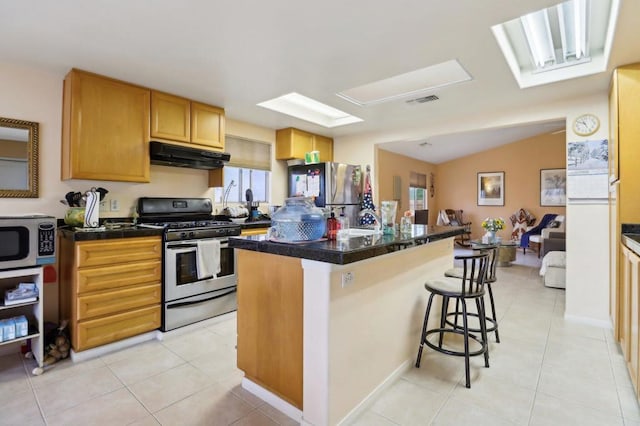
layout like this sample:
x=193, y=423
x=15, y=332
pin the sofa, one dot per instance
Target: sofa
x=549, y=223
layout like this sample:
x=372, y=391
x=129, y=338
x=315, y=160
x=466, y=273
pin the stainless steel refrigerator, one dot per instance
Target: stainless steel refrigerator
x=332, y=185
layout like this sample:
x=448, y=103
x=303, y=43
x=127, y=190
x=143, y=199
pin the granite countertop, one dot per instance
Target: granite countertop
x=71, y=233
x=352, y=250
x=631, y=236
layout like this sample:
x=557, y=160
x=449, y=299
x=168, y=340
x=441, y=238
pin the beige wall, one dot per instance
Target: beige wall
x=391, y=164
x=521, y=162
x=35, y=95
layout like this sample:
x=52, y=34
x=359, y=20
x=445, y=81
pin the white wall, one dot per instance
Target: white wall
x=587, y=294
x=588, y=275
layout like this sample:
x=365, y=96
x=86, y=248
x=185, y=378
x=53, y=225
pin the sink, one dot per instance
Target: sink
x=361, y=232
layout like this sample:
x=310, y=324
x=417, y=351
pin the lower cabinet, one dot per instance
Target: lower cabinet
x=629, y=312
x=270, y=322
x=110, y=289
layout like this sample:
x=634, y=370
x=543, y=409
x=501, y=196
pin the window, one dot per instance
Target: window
x=249, y=167
x=417, y=198
x=243, y=179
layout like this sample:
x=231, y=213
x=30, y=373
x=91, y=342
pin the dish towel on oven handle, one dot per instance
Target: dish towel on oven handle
x=208, y=264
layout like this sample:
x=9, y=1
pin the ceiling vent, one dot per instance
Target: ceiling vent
x=423, y=100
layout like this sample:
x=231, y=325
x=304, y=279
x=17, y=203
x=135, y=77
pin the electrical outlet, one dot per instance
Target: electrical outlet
x=115, y=205
x=347, y=279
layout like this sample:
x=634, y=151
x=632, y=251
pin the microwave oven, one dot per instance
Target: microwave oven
x=27, y=241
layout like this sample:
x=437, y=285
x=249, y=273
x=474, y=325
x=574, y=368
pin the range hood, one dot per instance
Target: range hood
x=166, y=154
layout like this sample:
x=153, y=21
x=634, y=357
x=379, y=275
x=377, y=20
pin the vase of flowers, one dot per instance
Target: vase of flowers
x=492, y=225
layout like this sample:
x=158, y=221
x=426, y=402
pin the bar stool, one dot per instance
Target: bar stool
x=469, y=287
x=457, y=272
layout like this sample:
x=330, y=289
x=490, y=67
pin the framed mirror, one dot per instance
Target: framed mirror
x=18, y=158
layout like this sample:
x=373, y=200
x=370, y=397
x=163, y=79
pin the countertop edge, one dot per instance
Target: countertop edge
x=359, y=248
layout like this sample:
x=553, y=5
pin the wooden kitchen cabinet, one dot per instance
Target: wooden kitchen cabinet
x=179, y=119
x=294, y=143
x=170, y=117
x=110, y=289
x=270, y=307
x=105, y=129
x=630, y=318
x=207, y=125
x=624, y=132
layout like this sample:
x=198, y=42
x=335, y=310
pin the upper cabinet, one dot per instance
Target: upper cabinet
x=105, y=129
x=170, y=117
x=179, y=119
x=294, y=143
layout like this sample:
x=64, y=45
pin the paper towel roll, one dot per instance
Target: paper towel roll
x=92, y=208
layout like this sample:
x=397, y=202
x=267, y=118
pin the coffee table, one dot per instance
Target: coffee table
x=506, y=250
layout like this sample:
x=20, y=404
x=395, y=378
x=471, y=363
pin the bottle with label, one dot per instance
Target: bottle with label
x=343, y=227
x=332, y=227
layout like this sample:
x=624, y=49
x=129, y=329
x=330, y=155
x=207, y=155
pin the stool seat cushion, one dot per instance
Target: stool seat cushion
x=448, y=286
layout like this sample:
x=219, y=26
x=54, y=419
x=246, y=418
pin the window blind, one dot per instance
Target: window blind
x=248, y=154
x=418, y=180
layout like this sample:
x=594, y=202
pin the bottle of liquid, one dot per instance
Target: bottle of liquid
x=332, y=227
x=343, y=227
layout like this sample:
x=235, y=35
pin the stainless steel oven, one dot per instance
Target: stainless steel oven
x=199, y=269
x=190, y=297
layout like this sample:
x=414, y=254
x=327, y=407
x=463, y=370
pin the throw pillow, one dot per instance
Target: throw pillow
x=554, y=224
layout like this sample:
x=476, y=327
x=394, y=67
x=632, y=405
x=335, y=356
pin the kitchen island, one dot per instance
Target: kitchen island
x=324, y=326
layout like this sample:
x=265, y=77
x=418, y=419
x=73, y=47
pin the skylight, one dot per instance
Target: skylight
x=304, y=108
x=409, y=84
x=571, y=39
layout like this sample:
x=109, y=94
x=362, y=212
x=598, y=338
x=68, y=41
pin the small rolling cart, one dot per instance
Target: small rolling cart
x=31, y=309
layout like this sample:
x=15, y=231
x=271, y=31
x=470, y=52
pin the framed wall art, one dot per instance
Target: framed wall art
x=553, y=187
x=491, y=189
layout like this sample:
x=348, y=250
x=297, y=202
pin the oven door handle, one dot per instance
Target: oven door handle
x=179, y=305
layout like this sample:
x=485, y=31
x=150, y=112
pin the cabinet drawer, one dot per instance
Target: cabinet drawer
x=111, y=302
x=118, y=276
x=101, y=331
x=108, y=252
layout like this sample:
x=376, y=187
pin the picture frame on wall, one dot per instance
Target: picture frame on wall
x=491, y=188
x=553, y=187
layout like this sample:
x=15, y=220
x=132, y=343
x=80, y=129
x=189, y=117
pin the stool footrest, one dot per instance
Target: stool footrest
x=482, y=350
x=490, y=329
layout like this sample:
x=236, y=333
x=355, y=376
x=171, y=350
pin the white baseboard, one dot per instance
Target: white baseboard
x=272, y=399
x=366, y=403
x=589, y=321
x=112, y=347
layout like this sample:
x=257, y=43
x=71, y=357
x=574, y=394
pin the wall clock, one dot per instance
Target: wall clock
x=586, y=124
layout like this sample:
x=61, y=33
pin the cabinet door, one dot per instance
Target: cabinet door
x=105, y=134
x=207, y=125
x=117, y=276
x=101, y=331
x=325, y=146
x=107, y=303
x=631, y=283
x=108, y=252
x=292, y=143
x=170, y=117
x=625, y=301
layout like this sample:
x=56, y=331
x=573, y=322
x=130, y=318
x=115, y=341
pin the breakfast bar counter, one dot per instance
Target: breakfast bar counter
x=322, y=326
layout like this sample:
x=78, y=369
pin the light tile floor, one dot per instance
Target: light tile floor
x=546, y=371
